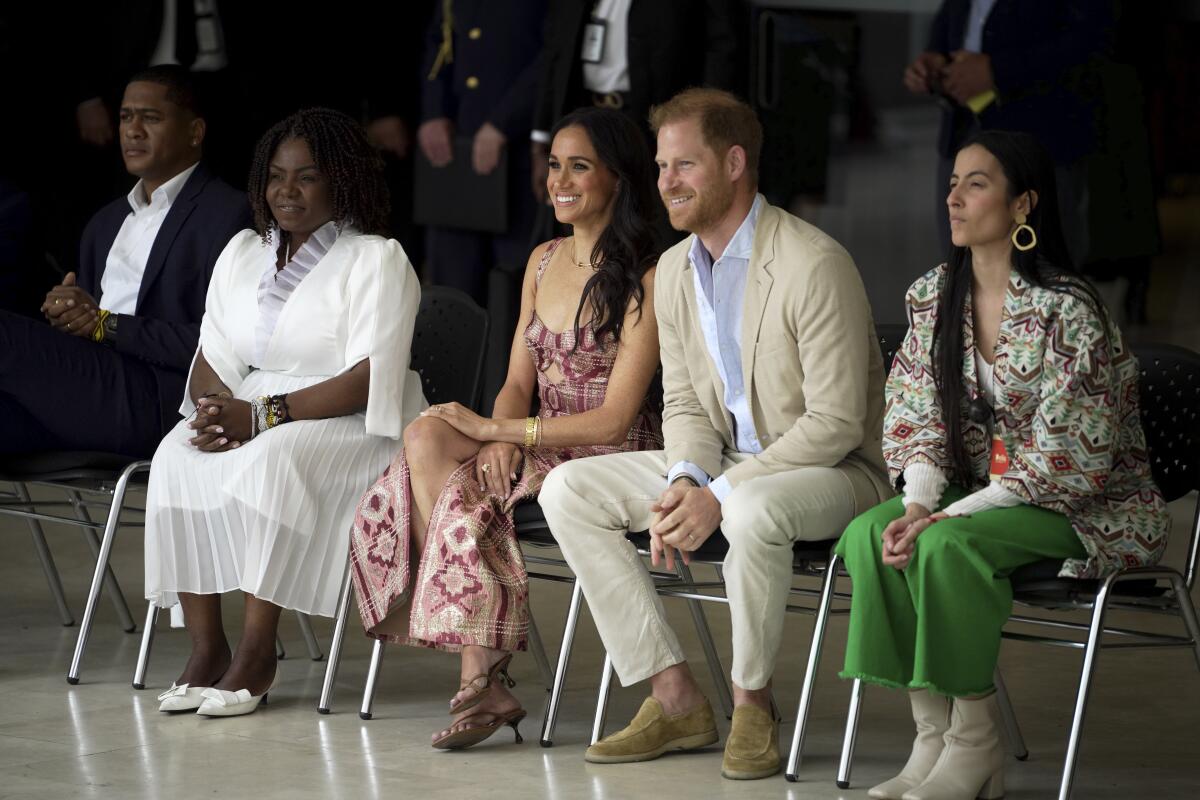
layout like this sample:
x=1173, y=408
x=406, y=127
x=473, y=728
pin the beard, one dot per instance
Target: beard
x=704, y=210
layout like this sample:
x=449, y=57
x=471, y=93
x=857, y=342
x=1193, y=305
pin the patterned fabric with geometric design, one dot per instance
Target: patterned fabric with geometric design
x=1066, y=410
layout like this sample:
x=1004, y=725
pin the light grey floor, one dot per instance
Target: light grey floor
x=102, y=739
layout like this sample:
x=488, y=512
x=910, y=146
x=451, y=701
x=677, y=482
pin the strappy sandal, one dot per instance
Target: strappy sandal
x=467, y=737
x=500, y=668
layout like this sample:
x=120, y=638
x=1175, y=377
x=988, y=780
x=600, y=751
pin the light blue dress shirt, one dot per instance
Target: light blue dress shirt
x=976, y=20
x=720, y=291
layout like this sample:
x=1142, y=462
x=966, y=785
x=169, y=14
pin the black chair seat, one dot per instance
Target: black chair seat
x=1038, y=583
x=62, y=465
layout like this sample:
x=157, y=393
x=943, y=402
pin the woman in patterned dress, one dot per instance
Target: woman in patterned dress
x=1012, y=429
x=434, y=558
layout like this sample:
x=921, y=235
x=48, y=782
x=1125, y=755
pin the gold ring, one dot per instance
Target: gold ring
x=58, y=301
x=486, y=468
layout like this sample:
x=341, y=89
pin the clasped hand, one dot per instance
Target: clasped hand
x=70, y=309
x=221, y=423
x=901, y=534
x=684, y=517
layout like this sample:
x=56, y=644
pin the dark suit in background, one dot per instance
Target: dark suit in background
x=1043, y=54
x=63, y=392
x=491, y=78
x=673, y=44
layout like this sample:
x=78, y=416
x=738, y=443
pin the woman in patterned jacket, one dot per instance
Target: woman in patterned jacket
x=1012, y=430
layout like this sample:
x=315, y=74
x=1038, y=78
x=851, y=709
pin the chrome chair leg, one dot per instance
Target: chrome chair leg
x=1012, y=730
x=1095, y=634
x=720, y=679
x=852, y=715
x=310, y=639
x=110, y=532
x=368, y=698
x=560, y=669
x=602, y=697
x=143, y=660
x=335, y=646
x=539, y=653
x=110, y=579
x=810, y=672
x=46, y=559
x=1188, y=612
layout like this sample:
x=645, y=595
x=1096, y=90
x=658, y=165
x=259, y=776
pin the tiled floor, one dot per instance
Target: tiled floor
x=102, y=739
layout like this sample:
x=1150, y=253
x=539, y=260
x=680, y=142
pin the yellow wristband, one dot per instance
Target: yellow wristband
x=98, y=331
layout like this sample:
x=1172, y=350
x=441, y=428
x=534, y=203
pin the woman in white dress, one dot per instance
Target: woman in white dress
x=296, y=402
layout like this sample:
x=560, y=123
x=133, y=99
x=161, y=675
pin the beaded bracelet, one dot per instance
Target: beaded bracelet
x=267, y=412
x=98, y=331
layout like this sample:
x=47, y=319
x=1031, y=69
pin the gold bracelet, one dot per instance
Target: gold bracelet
x=538, y=434
x=98, y=331
x=531, y=427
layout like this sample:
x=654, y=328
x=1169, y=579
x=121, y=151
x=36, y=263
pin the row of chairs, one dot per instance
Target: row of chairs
x=451, y=331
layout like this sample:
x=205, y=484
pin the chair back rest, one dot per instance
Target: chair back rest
x=449, y=341
x=890, y=338
x=1169, y=390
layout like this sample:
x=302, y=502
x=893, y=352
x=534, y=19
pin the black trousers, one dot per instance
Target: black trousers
x=61, y=392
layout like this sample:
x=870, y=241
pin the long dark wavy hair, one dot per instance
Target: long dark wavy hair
x=628, y=246
x=343, y=154
x=1027, y=167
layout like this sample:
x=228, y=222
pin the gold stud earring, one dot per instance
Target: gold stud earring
x=1016, y=240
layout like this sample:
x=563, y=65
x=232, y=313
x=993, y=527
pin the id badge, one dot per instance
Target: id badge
x=594, y=34
x=998, y=465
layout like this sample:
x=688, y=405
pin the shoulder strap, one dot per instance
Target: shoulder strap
x=545, y=262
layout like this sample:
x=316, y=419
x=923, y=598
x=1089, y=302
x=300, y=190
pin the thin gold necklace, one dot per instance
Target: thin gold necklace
x=575, y=260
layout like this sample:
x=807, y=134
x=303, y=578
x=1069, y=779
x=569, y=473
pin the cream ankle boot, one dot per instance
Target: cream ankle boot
x=931, y=712
x=972, y=763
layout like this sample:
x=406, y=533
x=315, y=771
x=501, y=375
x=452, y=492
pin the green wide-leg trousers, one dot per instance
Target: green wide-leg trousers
x=936, y=624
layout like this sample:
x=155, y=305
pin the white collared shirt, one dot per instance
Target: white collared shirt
x=720, y=292
x=126, y=262
x=611, y=74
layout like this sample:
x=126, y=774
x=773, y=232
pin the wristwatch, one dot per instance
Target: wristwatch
x=687, y=478
x=110, y=330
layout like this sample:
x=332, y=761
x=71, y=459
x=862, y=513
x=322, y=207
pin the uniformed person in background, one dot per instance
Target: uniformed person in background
x=482, y=65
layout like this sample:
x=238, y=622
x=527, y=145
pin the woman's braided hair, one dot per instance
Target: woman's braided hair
x=343, y=154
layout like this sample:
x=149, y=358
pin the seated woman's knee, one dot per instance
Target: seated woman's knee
x=424, y=437
x=946, y=535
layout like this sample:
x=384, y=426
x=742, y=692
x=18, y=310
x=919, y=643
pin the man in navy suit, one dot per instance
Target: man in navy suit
x=481, y=69
x=108, y=371
x=1024, y=66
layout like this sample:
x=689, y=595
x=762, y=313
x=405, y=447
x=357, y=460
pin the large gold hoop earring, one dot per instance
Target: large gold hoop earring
x=1016, y=240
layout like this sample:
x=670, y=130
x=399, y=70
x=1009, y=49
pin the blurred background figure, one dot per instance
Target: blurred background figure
x=481, y=69
x=1019, y=65
x=630, y=55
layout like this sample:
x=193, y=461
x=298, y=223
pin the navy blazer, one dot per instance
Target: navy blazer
x=164, y=331
x=494, y=73
x=1039, y=51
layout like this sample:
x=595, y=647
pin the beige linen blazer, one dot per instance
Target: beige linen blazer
x=811, y=363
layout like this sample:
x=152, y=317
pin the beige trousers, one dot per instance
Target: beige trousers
x=591, y=503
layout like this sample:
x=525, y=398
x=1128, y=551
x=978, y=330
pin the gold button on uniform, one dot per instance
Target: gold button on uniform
x=474, y=33
x=472, y=82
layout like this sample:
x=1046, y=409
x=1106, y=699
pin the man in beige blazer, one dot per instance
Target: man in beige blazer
x=773, y=385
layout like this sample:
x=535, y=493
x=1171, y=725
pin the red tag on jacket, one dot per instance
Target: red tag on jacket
x=999, y=462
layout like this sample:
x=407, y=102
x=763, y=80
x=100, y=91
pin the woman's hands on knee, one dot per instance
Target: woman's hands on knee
x=221, y=423
x=502, y=460
x=901, y=534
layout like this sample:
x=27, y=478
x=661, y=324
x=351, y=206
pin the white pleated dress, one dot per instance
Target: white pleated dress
x=272, y=517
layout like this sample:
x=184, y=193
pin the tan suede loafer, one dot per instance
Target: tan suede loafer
x=752, y=749
x=652, y=733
